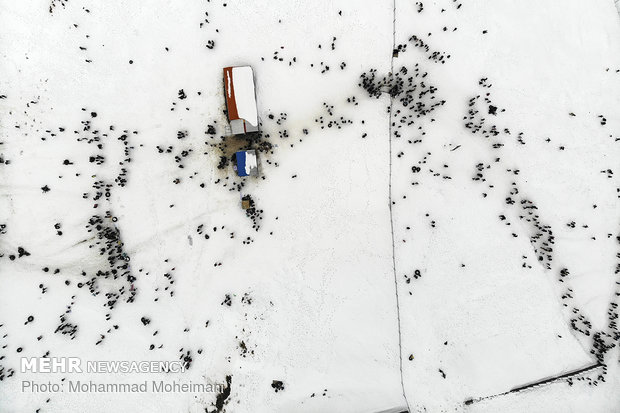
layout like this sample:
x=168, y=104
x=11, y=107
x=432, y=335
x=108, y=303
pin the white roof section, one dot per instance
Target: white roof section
x=243, y=83
x=250, y=163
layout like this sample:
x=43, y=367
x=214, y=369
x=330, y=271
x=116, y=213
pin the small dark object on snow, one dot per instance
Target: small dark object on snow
x=277, y=385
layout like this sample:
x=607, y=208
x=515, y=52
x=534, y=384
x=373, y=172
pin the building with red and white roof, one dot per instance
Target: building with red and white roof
x=240, y=99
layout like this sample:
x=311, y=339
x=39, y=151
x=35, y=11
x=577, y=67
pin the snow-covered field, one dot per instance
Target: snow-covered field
x=426, y=240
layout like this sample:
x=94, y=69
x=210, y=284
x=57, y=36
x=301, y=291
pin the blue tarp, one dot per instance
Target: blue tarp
x=241, y=164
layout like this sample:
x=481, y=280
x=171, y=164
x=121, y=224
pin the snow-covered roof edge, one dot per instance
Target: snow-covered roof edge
x=244, y=94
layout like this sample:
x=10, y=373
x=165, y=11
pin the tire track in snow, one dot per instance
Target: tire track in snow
x=400, y=337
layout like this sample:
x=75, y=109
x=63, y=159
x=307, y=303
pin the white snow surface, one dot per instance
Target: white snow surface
x=348, y=224
x=250, y=161
x=243, y=81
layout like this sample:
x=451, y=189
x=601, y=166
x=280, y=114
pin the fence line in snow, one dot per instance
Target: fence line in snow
x=537, y=384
